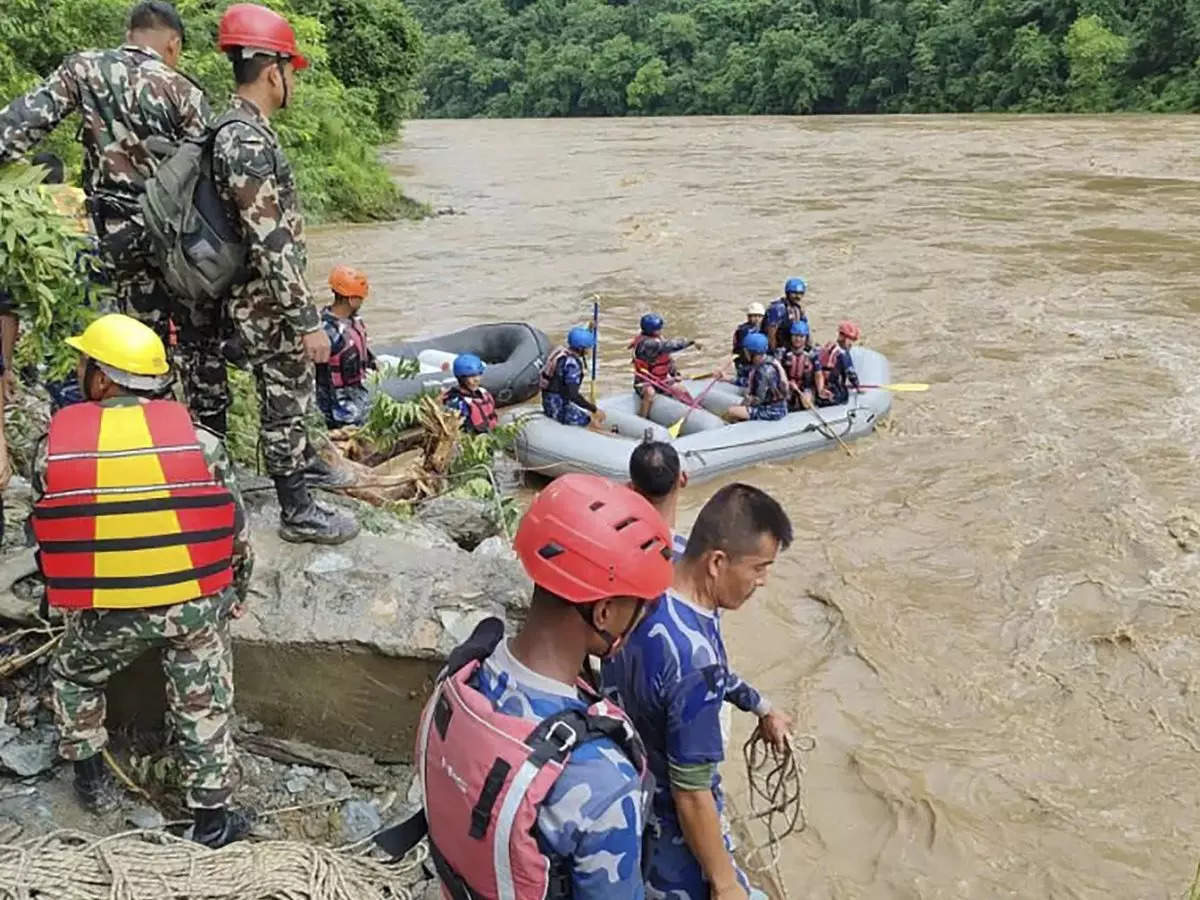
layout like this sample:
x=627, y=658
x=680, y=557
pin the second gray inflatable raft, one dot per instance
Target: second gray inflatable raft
x=708, y=446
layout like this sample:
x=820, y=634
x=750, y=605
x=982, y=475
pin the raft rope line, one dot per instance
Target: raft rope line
x=155, y=865
x=776, y=786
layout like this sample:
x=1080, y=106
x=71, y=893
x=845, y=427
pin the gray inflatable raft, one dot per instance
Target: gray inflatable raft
x=708, y=446
x=513, y=351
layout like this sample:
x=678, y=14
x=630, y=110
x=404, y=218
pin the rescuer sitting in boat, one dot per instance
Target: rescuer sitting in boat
x=799, y=364
x=782, y=313
x=835, y=373
x=467, y=398
x=143, y=543
x=653, y=367
x=534, y=786
x=342, y=394
x=562, y=377
x=741, y=360
x=766, y=394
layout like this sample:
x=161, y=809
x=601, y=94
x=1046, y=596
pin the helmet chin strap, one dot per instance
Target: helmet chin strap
x=279, y=60
x=611, y=643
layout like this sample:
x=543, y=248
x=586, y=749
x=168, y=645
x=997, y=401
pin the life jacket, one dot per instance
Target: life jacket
x=481, y=406
x=827, y=358
x=347, y=367
x=486, y=773
x=661, y=368
x=131, y=515
x=739, y=335
x=550, y=380
x=777, y=393
x=798, y=366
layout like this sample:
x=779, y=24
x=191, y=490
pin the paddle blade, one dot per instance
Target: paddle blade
x=904, y=387
x=673, y=431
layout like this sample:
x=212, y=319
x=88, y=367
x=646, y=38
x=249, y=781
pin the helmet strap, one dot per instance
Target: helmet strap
x=279, y=61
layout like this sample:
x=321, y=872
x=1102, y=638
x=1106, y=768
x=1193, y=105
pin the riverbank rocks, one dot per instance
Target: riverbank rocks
x=467, y=522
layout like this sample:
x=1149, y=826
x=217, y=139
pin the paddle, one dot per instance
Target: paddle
x=912, y=387
x=812, y=408
x=595, y=344
x=673, y=430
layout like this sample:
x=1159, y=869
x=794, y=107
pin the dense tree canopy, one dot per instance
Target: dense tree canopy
x=661, y=57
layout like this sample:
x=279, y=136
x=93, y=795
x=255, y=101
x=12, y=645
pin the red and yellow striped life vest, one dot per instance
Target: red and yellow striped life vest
x=131, y=516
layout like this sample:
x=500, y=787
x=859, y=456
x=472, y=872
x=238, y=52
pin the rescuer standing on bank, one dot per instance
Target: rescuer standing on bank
x=143, y=543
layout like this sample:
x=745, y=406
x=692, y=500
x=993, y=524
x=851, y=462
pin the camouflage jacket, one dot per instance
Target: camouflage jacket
x=256, y=181
x=223, y=473
x=124, y=97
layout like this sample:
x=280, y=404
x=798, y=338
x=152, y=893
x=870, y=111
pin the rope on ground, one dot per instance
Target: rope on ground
x=152, y=865
x=776, y=786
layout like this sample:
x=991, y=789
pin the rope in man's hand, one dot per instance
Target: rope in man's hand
x=776, y=785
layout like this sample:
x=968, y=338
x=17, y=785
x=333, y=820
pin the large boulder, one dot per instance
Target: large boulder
x=468, y=522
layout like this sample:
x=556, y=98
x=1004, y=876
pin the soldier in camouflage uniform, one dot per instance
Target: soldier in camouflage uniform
x=122, y=364
x=134, y=107
x=273, y=311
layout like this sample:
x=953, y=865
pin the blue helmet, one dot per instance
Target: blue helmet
x=652, y=323
x=467, y=364
x=800, y=327
x=581, y=338
x=755, y=343
x=795, y=286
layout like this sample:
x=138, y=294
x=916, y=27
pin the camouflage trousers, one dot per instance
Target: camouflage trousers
x=197, y=354
x=197, y=664
x=286, y=383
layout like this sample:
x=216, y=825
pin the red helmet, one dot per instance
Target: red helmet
x=256, y=27
x=586, y=538
x=848, y=329
x=348, y=282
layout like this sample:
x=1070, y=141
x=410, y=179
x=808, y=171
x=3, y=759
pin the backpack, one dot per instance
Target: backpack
x=193, y=240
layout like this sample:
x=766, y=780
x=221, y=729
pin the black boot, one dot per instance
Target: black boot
x=218, y=423
x=95, y=787
x=318, y=473
x=217, y=827
x=303, y=520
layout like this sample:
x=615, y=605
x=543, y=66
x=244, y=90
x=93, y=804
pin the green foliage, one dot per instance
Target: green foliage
x=386, y=420
x=729, y=57
x=365, y=56
x=241, y=440
x=44, y=267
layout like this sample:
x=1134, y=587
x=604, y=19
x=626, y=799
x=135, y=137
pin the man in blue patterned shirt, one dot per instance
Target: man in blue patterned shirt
x=673, y=678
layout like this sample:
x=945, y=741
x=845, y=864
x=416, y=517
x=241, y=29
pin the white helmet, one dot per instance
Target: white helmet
x=755, y=309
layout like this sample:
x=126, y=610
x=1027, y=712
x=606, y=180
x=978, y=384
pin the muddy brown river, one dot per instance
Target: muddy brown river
x=989, y=618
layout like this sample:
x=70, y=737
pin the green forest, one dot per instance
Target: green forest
x=366, y=58
x=734, y=57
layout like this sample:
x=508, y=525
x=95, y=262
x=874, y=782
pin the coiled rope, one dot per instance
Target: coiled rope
x=155, y=865
x=776, y=786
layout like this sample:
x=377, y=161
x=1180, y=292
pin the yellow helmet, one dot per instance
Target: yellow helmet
x=128, y=352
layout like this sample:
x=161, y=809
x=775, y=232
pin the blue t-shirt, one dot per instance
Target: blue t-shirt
x=593, y=814
x=782, y=315
x=671, y=679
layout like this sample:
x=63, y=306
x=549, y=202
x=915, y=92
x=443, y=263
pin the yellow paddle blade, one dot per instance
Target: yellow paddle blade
x=673, y=431
x=911, y=387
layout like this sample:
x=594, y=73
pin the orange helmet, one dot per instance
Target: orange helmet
x=348, y=282
x=848, y=329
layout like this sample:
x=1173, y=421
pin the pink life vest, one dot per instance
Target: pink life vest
x=485, y=774
x=348, y=365
x=548, y=380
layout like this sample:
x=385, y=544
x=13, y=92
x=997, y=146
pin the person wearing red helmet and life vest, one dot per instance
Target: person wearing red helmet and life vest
x=835, y=373
x=653, y=368
x=342, y=394
x=533, y=785
x=799, y=364
x=273, y=308
x=767, y=391
x=143, y=543
x=468, y=398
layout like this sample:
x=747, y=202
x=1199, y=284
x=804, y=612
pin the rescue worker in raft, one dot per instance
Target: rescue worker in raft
x=835, y=372
x=562, y=377
x=467, y=398
x=767, y=391
x=799, y=365
x=342, y=394
x=569, y=822
x=143, y=543
x=741, y=360
x=782, y=313
x=653, y=367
